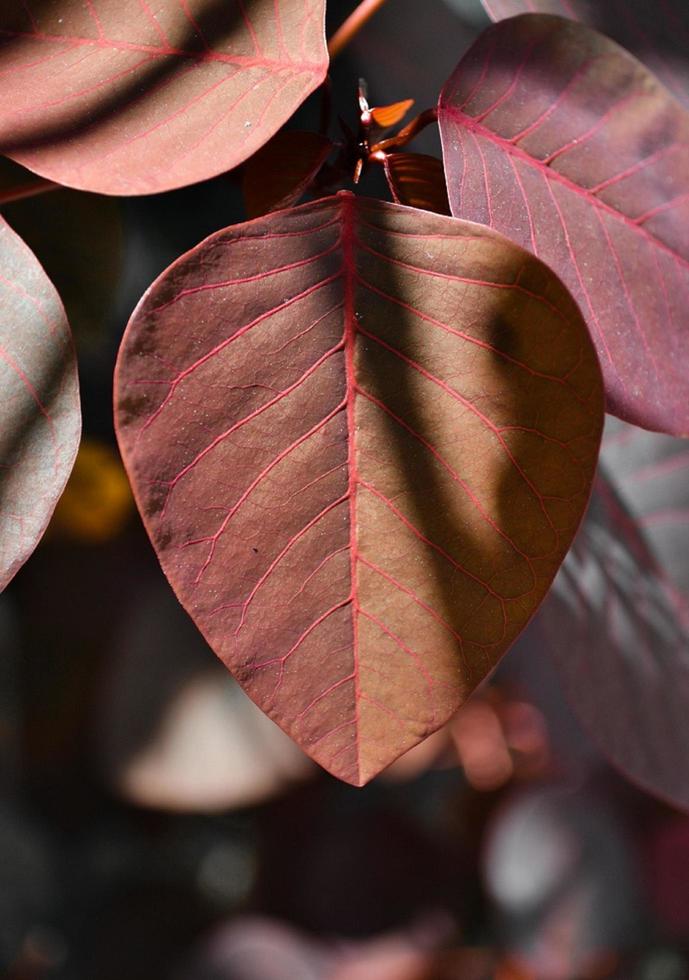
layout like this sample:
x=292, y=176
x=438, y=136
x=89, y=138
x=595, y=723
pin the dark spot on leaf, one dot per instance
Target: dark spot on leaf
x=503, y=335
x=131, y=407
x=164, y=540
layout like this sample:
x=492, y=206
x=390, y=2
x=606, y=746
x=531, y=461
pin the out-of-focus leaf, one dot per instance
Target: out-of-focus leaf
x=558, y=138
x=125, y=97
x=280, y=173
x=389, y=115
x=417, y=180
x=617, y=621
x=253, y=948
x=564, y=882
x=175, y=731
x=39, y=407
x=667, y=854
x=657, y=33
x=97, y=501
x=435, y=752
x=214, y=750
x=492, y=737
x=650, y=474
x=361, y=438
x=78, y=239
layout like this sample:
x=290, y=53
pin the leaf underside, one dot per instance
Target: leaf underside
x=282, y=170
x=417, y=180
x=657, y=33
x=41, y=420
x=361, y=438
x=555, y=136
x=125, y=97
x=617, y=618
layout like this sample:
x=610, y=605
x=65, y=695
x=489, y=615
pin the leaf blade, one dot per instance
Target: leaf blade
x=545, y=146
x=656, y=34
x=617, y=620
x=41, y=420
x=128, y=101
x=331, y=399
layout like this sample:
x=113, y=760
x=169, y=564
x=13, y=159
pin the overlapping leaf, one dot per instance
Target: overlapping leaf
x=617, y=620
x=280, y=173
x=555, y=136
x=39, y=407
x=128, y=97
x=657, y=33
x=417, y=180
x=362, y=438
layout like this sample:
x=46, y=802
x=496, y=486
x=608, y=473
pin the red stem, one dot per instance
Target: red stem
x=407, y=134
x=356, y=20
x=22, y=191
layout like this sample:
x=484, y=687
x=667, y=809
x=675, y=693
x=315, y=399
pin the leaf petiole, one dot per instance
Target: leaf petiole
x=353, y=24
x=406, y=135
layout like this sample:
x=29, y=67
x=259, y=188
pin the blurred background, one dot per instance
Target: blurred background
x=154, y=825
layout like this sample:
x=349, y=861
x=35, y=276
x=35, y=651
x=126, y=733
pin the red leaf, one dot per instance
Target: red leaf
x=657, y=33
x=125, y=97
x=41, y=420
x=282, y=170
x=555, y=136
x=417, y=180
x=389, y=115
x=361, y=438
x=617, y=619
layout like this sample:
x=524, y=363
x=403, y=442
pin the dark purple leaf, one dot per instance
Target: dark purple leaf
x=656, y=32
x=555, y=136
x=617, y=620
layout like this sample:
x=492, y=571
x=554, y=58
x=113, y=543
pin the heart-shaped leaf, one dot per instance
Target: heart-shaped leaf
x=555, y=136
x=617, y=619
x=41, y=420
x=361, y=438
x=280, y=173
x=126, y=97
x=657, y=33
x=418, y=180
